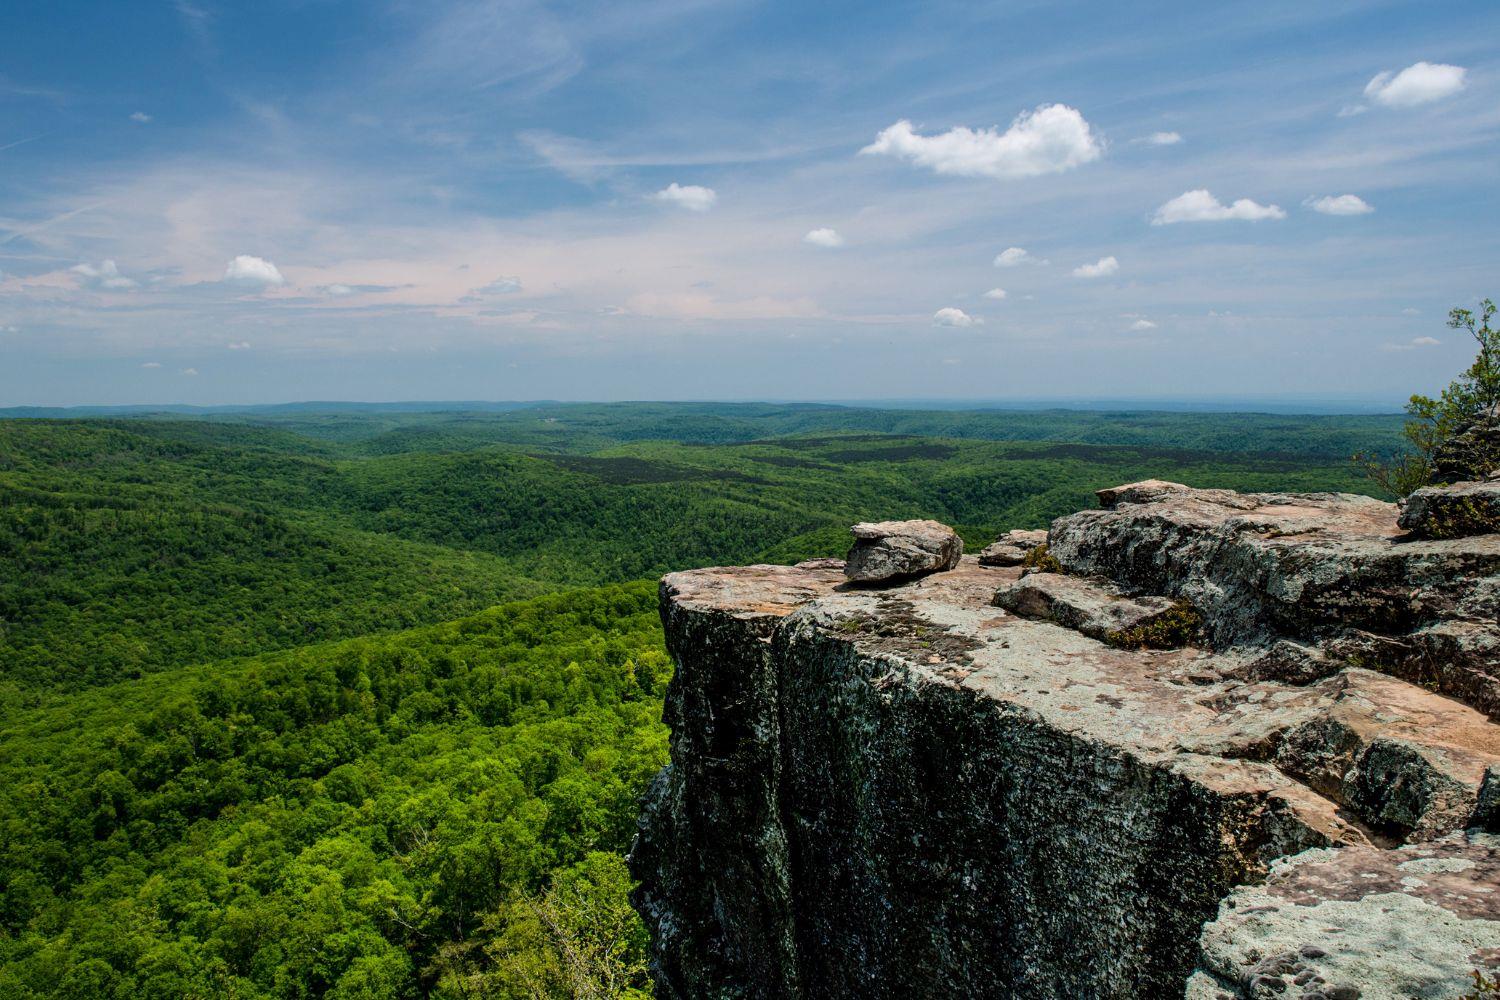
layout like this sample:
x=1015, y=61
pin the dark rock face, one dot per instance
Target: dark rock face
x=908, y=792
x=898, y=550
x=1472, y=453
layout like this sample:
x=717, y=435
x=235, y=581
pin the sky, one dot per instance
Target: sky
x=215, y=203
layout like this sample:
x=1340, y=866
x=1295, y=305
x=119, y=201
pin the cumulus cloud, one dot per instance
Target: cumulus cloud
x=949, y=316
x=1162, y=139
x=1419, y=83
x=190, y=371
x=1015, y=257
x=995, y=293
x=1201, y=206
x=824, y=238
x=140, y=116
x=688, y=196
x=1051, y=139
x=1102, y=268
x=253, y=272
x=1142, y=325
x=104, y=275
x=1344, y=204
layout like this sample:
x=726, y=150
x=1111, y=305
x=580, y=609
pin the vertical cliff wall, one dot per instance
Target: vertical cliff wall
x=908, y=791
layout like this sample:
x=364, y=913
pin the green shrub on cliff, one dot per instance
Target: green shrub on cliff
x=1433, y=421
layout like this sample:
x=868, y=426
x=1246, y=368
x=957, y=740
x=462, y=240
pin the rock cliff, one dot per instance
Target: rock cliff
x=1198, y=744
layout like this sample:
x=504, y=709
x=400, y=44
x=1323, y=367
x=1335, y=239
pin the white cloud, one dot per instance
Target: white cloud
x=1015, y=257
x=1419, y=83
x=252, y=271
x=1201, y=206
x=1162, y=139
x=1142, y=325
x=140, y=116
x=1409, y=311
x=1412, y=345
x=104, y=275
x=689, y=196
x=503, y=285
x=190, y=371
x=1051, y=139
x=1101, y=268
x=1344, y=204
x=824, y=238
x=151, y=364
x=240, y=345
x=338, y=290
x=949, y=316
x=995, y=293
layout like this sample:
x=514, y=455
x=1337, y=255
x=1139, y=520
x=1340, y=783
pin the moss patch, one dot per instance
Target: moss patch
x=1172, y=630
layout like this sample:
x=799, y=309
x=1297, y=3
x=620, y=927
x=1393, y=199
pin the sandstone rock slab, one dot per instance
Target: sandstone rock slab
x=1010, y=548
x=1360, y=923
x=896, y=550
x=1095, y=608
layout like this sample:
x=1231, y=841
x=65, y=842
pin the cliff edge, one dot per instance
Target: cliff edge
x=1199, y=743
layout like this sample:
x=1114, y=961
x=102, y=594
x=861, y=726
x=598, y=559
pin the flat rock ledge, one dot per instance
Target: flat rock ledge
x=898, y=550
x=909, y=792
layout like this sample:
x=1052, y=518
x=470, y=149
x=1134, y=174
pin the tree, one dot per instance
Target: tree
x=1434, y=421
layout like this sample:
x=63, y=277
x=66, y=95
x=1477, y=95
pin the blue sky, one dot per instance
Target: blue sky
x=208, y=202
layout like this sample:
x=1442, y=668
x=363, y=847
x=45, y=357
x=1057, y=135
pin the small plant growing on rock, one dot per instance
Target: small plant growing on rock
x=1434, y=421
x=1173, y=630
x=1485, y=988
x=1040, y=560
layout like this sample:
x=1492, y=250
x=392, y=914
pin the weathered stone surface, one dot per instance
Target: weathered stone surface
x=895, y=550
x=1358, y=922
x=1330, y=570
x=1094, y=607
x=907, y=792
x=1472, y=453
x=1456, y=511
x=1011, y=548
x=1144, y=491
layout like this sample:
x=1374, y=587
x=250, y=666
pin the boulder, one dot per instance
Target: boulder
x=1457, y=511
x=1010, y=548
x=1144, y=491
x=898, y=550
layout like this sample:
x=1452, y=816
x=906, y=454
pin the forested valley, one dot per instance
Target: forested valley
x=357, y=702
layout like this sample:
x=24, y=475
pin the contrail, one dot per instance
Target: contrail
x=22, y=142
x=48, y=222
